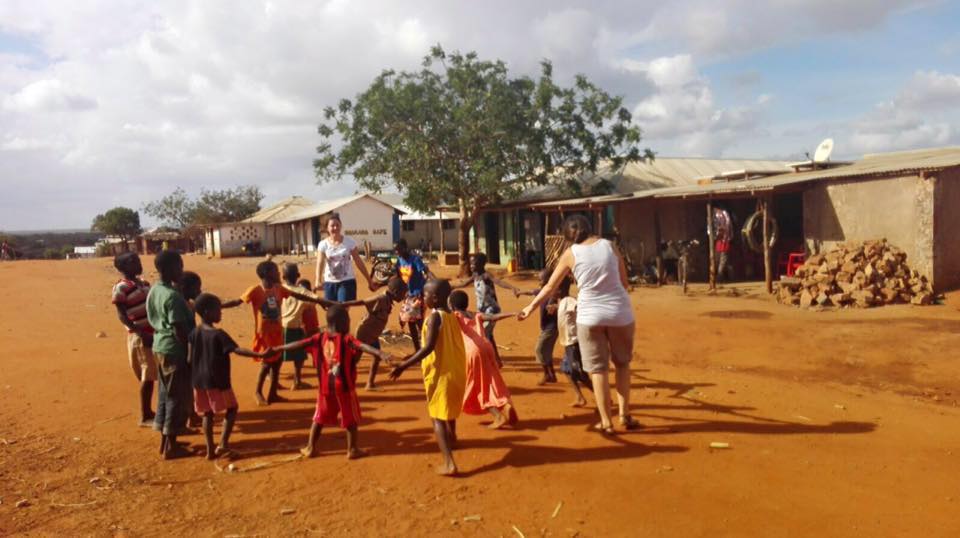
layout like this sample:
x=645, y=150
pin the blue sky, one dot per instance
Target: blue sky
x=117, y=102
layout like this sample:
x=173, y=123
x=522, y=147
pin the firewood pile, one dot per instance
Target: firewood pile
x=860, y=274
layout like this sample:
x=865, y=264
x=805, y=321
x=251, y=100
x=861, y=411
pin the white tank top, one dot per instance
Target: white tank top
x=601, y=298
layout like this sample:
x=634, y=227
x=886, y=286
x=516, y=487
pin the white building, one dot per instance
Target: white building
x=430, y=232
x=366, y=218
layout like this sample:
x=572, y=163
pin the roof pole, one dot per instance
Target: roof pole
x=711, y=247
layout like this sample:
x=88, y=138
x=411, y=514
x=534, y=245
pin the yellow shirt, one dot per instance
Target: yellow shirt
x=445, y=370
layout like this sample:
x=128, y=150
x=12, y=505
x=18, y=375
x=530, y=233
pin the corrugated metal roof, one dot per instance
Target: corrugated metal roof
x=322, y=208
x=659, y=173
x=280, y=209
x=883, y=164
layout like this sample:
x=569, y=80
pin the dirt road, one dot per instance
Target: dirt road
x=839, y=424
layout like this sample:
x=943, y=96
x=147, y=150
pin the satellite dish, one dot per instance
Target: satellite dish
x=824, y=150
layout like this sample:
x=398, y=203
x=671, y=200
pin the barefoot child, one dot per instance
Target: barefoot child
x=191, y=286
x=572, y=364
x=548, y=331
x=485, y=392
x=337, y=402
x=483, y=285
x=172, y=321
x=130, y=298
x=293, y=316
x=210, y=350
x=265, y=300
x=378, y=313
x=415, y=274
x=444, y=366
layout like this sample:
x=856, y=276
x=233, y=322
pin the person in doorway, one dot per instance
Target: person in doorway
x=723, y=233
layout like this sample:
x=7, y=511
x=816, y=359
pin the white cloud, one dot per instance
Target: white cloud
x=924, y=113
x=215, y=94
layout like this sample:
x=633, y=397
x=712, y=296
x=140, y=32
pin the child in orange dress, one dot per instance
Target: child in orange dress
x=266, y=299
x=337, y=402
x=486, y=391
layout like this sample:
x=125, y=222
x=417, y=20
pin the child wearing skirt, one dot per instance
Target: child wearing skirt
x=486, y=391
x=210, y=350
x=337, y=402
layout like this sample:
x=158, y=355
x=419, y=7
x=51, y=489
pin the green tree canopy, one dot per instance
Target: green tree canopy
x=213, y=206
x=119, y=221
x=462, y=132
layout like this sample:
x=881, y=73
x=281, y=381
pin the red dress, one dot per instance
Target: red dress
x=337, y=403
x=485, y=385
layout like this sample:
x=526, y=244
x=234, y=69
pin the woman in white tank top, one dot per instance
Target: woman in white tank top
x=605, y=322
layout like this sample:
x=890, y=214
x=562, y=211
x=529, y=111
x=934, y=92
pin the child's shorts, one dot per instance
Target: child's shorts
x=141, y=358
x=337, y=408
x=294, y=335
x=572, y=364
x=213, y=400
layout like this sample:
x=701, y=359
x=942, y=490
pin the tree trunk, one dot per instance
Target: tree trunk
x=463, y=239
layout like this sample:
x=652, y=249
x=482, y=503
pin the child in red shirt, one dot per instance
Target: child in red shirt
x=337, y=402
x=265, y=300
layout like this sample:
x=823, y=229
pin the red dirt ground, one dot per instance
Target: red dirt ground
x=840, y=423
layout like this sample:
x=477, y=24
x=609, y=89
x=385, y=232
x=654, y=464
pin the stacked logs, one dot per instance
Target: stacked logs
x=861, y=274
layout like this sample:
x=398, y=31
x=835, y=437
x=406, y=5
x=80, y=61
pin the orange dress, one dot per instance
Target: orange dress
x=485, y=386
x=266, y=305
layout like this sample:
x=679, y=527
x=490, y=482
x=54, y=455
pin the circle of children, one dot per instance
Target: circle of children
x=454, y=346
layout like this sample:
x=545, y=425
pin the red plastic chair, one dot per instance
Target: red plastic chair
x=795, y=260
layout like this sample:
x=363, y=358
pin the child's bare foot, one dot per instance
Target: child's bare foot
x=372, y=388
x=543, y=380
x=225, y=453
x=174, y=451
x=276, y=398
x=356, y=453
x=260, y=400
x=498, y=422
x=511, y=413
x=447, y=469
x=146, y=423
x=300, y=385
x=579, y=402
x=211, y=453
x=308, y=452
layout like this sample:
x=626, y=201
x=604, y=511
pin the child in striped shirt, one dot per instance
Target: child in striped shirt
x=130, y=298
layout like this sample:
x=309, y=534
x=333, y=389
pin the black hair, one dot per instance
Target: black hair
x=205, y=302
x=166, y=260
x=397, y=286
x=290, y=271
x=335, y=313
x=577, y=228
x=121, y=260
x=480, y=258
x=263, y=268
x=459, y=300
x=304, y=283
x=442, y=288
x=190, y=279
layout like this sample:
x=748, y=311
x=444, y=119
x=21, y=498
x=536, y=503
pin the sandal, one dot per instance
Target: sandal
x=604, y=430
x=629, y=423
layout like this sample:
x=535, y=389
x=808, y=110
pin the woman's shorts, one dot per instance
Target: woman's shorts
x=600, y=344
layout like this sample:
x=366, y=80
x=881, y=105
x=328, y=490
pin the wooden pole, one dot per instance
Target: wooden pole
x=442, y=237
x=767, y=270
x=712, y=280
x=657, y=239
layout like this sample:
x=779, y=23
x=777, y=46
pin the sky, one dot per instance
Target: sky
x=108, y=103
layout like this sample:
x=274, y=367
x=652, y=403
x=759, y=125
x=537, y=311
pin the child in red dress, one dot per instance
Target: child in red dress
x=337, y=402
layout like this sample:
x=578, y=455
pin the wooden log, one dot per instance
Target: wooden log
x=767, y=269
x=712, y=281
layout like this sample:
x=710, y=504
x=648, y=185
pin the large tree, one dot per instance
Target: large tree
x=462, y=132
x=122, y=222
x=213, y=206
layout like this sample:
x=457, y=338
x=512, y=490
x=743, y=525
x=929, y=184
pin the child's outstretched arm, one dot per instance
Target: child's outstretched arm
x=497, y=317
x=433, y=331
x=299, y=344
x=463, y=283
x=244, y=352
x=232, y=303
x=531, y=293
x=309, y=297
x=382, y=355
x=505, y=285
